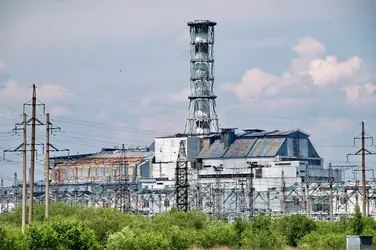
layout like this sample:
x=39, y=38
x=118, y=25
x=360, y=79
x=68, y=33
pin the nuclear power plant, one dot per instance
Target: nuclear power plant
x=224, y=172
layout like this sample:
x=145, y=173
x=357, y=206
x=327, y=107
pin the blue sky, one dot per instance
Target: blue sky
x=279, y=65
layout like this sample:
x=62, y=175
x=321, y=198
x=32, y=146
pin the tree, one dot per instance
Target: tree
x=60, y=234
x=294, y=227
x=357, y=224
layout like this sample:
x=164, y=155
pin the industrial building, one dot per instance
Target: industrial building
x=272, y=151
x=110, y=164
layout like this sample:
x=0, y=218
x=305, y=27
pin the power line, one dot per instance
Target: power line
x=318, y=120
x=111, y=127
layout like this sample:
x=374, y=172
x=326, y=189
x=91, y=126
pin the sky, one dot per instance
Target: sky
x=117, y=72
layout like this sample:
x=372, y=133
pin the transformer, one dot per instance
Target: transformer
x=202, y=117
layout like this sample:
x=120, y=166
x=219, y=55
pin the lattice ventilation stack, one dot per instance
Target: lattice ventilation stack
x=202, y=117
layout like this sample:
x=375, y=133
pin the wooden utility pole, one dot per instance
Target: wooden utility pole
x=251, y=195
x=47, y=166
x=32, y=160
x=22, y=148
x=364, y=194
x=331, y=192
x=24, y=171
x=283, y=193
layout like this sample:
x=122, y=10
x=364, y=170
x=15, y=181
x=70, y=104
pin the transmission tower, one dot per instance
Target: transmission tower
x=181, y=176
x=123, y=190
x=363, y=152
x=202, y=116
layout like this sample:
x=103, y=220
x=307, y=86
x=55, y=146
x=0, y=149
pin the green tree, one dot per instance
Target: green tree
x=328, y=241
x=218, y=234
x=260, y=234
x=134, y=239
x=60, y=234
x=294, y=227
x=11, y=238
x=357, y=223
x=239, y=227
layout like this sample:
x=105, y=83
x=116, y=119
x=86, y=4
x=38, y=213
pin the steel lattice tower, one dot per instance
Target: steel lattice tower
x=202, y=116
x=181, y=178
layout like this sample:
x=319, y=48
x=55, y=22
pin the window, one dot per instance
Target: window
x=258, y=174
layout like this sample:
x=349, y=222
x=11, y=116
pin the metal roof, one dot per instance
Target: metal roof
x=243, y=147
x=266, y=147
x=258, y=133
x=215, y=150
x=240, y=148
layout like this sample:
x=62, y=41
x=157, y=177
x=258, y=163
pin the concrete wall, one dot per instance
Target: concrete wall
x=167, y=149
x=166, y=155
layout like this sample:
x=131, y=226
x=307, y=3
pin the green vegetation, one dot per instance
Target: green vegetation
x=103, y=228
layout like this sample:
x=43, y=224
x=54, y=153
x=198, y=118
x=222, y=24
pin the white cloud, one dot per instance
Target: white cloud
x=306, y=72
x=329, y=70
x=181, y=96
x=251, y=85
x=306, y=49
x=2, y=64
x=361, y=95
x=309, y=47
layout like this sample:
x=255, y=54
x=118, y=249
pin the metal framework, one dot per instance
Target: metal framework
x=310, y=198
x=182, y=179
x=202, y=116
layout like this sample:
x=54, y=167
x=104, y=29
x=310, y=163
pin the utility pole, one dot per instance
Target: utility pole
x=2, y=196
x=22, y=148
x=363, y=152
x=49, y=148
x=24, y=170
x=283, y=193
x=251, y=195
x=251, y=166
x=47, y=167
x=364, y=194
x=32, y=160
x=331, y=192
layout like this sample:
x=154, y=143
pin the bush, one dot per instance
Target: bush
x=218, y=234
x=60, y=234
x=357, y=223
x=260, y=234
x=97, y=228
x=128, y=239
x=295, y=227
x=330, y=241
x=11, y=238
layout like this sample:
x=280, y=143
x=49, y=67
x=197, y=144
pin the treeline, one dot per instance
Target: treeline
x=102, y=228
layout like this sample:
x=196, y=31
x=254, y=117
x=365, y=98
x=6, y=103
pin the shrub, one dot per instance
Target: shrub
x=357, y=223
x=218, y=234
x=60, y=234
x=330, y=241
x=294, y=227
x=11, y=238
x=128, y=239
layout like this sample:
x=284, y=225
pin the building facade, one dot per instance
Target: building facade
x=110, y=164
